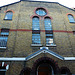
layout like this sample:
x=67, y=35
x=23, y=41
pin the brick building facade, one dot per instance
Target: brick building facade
x=37, y=38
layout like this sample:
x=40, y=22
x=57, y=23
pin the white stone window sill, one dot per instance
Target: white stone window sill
x=2, y=47
x=49, y=45
x=37, y=45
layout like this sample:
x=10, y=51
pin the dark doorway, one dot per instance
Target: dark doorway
x=44, y=69
x=26, y=72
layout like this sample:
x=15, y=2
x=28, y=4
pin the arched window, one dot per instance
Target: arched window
x=71, y=18
x=8, y=15
x=48, y=31
x=35, y=23
x=47, y=22
x=65, y=71
x=35, y=30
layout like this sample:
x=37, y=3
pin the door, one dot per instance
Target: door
x=44, y=69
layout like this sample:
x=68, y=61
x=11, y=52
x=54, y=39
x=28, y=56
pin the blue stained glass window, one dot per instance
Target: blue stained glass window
x=35, y=23
x=49, y=40
x=8, y=15
x=36, y=38
x=4, y=33
x=41, y=12
x=48, y=28
x=71, y=18
x=47, y=23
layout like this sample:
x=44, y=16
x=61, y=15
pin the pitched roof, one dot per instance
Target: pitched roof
x=38, y=1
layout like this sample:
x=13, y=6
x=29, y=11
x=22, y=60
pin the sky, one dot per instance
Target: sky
x=68, y=3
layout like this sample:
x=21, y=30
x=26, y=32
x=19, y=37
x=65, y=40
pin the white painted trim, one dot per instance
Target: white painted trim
x=2, y=64
x=51, y=45
x=69, y=58
x=12, y=59
x=24, y=59
x=2, y=47
x=42, y=50
x=43, y=47
x=7, y=67
x=36, y=44
x=54, y=55
x=34, y=55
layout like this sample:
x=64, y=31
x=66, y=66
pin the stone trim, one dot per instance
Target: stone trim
x=36, y=45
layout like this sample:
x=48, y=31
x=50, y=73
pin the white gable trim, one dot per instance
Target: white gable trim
x=42, y=50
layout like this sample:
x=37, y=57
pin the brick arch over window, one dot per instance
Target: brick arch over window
x=26, y=69
x=35, y=16
x=63, y=69
x=40, y=8
x=48, y=61
x=9, y=10
x=70, y=14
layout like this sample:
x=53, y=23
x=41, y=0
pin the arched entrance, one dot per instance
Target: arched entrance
x=25, y=71
x=45, y=69
x=45, y=66
x=65, y=71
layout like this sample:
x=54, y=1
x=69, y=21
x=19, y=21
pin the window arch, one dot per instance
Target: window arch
x=35, y=23
x=48, y=31
x=65, y=70
x=71, y=18
x=8, y=15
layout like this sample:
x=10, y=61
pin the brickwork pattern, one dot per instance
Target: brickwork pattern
x=19, y=42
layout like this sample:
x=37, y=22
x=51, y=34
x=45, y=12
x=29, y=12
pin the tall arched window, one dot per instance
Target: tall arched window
x=48, y=31
x=35, y=30
x=8, y=15
x=71, y=18
x=47, y=22
x=35, y=23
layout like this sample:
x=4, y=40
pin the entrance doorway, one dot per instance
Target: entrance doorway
x=44, y=69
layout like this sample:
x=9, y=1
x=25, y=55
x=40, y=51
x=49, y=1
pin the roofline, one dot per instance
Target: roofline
x=9, y=4
x=38, y=1
x=49, y=2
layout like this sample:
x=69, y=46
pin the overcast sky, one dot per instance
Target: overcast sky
x=68, y=3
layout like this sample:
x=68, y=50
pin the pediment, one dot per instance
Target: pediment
x=44, y=50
